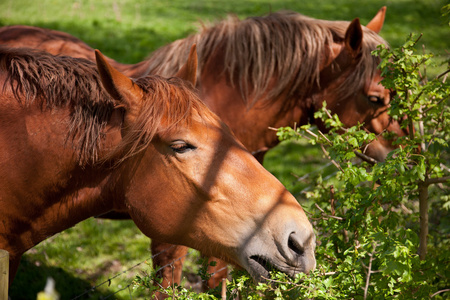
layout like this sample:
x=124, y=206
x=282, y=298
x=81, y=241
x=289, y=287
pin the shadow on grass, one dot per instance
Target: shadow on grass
x=31, y=279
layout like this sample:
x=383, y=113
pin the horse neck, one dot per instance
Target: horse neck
x=39, y=222
x=249, y=118
x=44, y=190
x=58, y=210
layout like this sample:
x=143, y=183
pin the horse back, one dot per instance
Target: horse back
x=52, y=41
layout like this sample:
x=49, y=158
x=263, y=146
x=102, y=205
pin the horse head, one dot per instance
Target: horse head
x=350, y=84
x=191, y=182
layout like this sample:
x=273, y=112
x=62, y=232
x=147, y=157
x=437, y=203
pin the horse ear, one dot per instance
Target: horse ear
x=377, y=22
x=353, y=38
x=189, y=70
x=121, y=88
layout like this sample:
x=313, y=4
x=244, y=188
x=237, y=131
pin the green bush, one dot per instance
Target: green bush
x=375, y=240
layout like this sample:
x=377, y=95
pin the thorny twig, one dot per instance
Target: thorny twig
x=440, y=292
x=326, y=215
x=369, y=270
x=325, y=152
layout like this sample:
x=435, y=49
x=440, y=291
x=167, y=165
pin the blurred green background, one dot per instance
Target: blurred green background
x=128, y=31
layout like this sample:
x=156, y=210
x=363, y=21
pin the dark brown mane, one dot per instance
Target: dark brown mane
x=59, y=81
x=285, y=45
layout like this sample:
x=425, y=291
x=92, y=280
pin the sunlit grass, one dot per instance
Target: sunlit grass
x=129, y=30
x=83, y=256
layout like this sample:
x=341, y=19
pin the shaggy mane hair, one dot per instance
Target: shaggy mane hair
x=59, y=81
x=285, y=45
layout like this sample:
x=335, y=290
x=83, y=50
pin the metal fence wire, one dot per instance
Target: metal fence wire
x=108, y=281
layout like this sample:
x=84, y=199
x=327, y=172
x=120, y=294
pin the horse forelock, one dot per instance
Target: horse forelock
x=167, y=103
x=57, y=81
x=283, y=45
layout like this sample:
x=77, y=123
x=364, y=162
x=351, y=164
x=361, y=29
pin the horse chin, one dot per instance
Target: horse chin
x=260, y=267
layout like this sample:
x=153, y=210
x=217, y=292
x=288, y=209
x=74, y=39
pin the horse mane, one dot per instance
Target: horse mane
x=284, y=45
x=59, y=81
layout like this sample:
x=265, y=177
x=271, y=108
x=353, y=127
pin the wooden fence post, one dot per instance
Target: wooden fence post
x=224, y=289
x=4, y=274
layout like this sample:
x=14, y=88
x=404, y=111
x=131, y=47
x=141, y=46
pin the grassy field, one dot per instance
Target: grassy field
x=96, y=250
x=130, y=29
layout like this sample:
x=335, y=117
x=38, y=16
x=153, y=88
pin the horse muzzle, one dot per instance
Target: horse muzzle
x=291, y=252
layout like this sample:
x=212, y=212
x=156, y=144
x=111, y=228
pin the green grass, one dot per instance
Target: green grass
x=129, y=30
x=95, y=250
x=83, y=256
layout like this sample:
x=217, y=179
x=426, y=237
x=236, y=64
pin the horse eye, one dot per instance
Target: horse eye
x=181, y=146
x=376, y=99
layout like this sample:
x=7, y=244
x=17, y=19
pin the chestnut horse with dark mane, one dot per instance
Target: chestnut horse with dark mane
x=270, y=71
x=72, y=149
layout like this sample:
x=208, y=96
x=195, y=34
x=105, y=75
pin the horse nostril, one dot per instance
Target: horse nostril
x=294, y=245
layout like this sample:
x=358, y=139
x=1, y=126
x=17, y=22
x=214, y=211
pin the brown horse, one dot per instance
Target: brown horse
x=262, y=72
x=71, y=149
x=269, y=71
